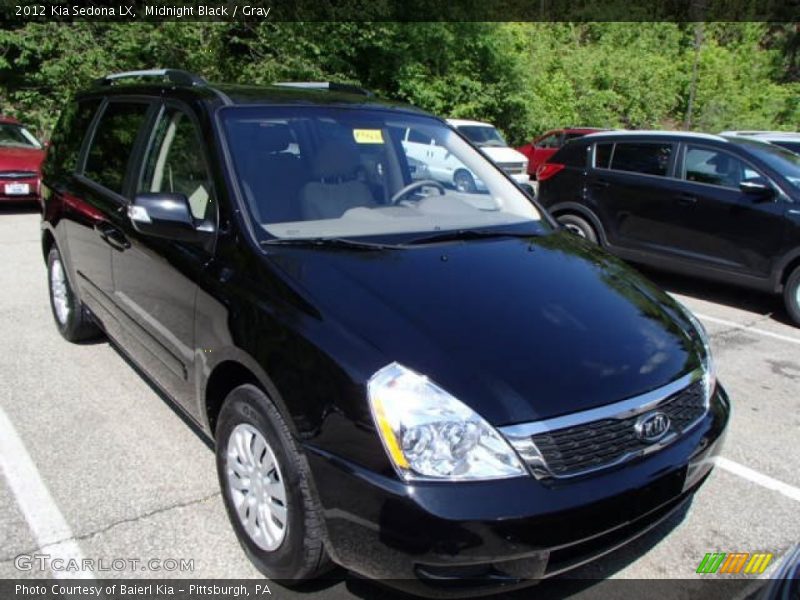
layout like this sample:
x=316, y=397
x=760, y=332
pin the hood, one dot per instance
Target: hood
x=518, y=329
x=20, y=159
x=503, y=154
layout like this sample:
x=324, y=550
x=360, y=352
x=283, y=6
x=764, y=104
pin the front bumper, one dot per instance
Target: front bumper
x=481, y=537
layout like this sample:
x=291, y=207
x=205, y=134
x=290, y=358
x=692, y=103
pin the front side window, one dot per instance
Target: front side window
x=112, y=146
x=16, y=136
x=641, y=157
x=175, y=163
x=330, y=172
x=715, y=167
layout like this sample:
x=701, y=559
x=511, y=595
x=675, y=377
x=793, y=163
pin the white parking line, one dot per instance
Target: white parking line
x=48, y=525
x=777, y=336
x=759, y=478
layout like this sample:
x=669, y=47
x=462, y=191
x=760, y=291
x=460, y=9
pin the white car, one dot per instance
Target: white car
x=443, y=167
x=784, y=139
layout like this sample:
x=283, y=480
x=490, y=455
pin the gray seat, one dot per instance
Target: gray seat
x=336, y=187
x=273, y=177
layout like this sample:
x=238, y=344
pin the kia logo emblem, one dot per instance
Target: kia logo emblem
x=652, y=426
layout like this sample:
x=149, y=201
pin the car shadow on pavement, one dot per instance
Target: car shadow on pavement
x=20, y=208
x=759, y=303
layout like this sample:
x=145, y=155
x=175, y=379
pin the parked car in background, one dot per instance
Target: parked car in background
x=725, y=208
x=784, y=139
x=423, y=385
x=21, y=156
x=491, y=142
x=547, y=144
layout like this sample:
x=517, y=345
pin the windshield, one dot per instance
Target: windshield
x=482, y=135
x=16, y=136
x=319, y=172
x=785, y=162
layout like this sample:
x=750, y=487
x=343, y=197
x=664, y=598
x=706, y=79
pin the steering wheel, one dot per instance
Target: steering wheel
x=402, y=193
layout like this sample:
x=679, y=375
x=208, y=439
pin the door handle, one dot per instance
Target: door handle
x=686, y=199
x=600, y=183
x=112, y=236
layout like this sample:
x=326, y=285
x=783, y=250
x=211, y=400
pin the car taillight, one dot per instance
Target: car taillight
x=547, y=170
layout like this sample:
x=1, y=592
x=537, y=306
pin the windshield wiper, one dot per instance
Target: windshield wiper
x=468, y=234
x=335, y=242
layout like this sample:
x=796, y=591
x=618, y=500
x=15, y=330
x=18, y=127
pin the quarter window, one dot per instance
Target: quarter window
x=113, y=142
x=175, y=163
x=69, y=134
x=641, y=157
x=714, y=167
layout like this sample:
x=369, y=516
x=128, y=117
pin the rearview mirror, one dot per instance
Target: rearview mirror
x=163, y=215
x=760, y=192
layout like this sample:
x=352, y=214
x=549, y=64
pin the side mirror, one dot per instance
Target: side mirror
x=163, y=215
x=759, y=192
x=528, y=189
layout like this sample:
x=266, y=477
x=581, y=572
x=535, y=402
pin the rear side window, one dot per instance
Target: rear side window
x=113, y=142
x=68, y=136
x=641, y=157
x=571, y=155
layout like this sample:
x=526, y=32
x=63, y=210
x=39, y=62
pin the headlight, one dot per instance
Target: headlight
x=428, y=434
x=709, y=370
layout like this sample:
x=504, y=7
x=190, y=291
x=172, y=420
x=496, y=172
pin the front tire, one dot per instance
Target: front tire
x=464, y=182
x=72, y=318
x=579, y=226
x=266, y=487
x=791, y=296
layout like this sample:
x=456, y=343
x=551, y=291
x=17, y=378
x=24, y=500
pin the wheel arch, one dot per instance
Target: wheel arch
x=564, y=208
x=230, y=371
x=785, y=269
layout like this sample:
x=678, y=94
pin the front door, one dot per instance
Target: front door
x=154, y=278
x=720, y=225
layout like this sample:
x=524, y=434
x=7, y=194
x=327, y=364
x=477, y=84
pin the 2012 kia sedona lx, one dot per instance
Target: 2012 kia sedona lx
x=419, y=383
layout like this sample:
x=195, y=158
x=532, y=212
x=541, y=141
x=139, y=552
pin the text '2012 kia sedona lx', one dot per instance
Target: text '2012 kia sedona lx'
x=418, y=383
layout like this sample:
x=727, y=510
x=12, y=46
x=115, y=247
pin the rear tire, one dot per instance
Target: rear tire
x=791, y=296
x=263, y=472
x=578, y=226
x=72, y=318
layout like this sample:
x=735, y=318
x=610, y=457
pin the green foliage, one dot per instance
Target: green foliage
x=524, y=77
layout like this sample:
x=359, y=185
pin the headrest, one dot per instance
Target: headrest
x=274, y=137
x=336, y=159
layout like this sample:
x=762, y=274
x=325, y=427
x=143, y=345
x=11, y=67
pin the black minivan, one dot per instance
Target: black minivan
x=421, y=384
x=718, y=207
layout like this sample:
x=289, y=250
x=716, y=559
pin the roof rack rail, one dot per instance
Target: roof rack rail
x=174, y=75
x=330, y=86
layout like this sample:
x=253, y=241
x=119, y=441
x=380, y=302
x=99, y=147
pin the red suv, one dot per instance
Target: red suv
x=547, y=144
x=21, y=156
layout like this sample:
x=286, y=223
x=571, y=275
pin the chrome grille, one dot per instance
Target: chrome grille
x=17, y=174
x=600, y=438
